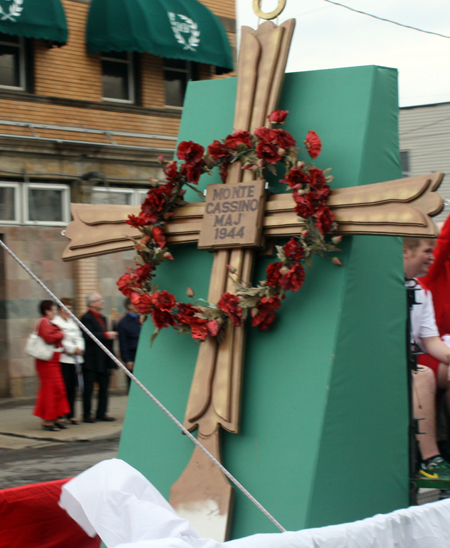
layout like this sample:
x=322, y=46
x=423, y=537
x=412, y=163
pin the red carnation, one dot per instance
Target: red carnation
x=186, y=312
x=239, y=139
x=268, y=152
x=199, y=326
x=284, y=139
x=162, y=318
x=163, y=300
x=278, y=116
x=189, y=151
x=304, y=208
x=230, y=305
x=217, y=151
x=317, y=181
x=199, y=329
x=192, y=172
x=127, y=283
x=153, y=204
x=143, y=219
x=213, y=328
x=171, y=171
x=266, y=135
x=313, y=144
x=143, y=272
x=293, y=250
x=159, y=237
x=143, y=302
x=296, y=178
x=165, y=189
x=293, y=280
x=324, y=220
x=266, y=312
x=273, y=274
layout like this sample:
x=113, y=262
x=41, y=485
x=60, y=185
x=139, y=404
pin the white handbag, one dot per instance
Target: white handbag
x=37, y=348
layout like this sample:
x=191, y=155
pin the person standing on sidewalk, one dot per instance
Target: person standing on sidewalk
x=129, y=328
x=51, y=402
x=97, y=365
x=71, y=358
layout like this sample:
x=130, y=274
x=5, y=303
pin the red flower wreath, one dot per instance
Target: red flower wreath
x=310, y=192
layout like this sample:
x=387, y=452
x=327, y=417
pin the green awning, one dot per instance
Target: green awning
x=177, y=29
x=34, y=19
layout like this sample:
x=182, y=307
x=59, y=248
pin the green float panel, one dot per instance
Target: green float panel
x=324, y=420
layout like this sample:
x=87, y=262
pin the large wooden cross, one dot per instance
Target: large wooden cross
x=402, y=207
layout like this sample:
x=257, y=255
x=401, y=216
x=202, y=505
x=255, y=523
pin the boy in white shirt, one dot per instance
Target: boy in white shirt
x=417, y=258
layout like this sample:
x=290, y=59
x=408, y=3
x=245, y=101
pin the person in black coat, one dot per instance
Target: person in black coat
x=97, y=364
x=129, y=328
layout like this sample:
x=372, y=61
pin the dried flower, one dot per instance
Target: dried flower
x=190, y=292
x=278, y=116
x=313, y=144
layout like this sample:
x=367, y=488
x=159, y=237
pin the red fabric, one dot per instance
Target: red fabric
x=100, y=319
x=30, y=517
x=51, y=401
x=429, y=361
x=50, y=332
x=437, y=280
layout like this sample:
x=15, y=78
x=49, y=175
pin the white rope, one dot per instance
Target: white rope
x=146, y=391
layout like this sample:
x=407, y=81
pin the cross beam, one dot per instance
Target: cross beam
x=392, y=208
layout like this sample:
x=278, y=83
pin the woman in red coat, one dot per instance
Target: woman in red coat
x=52, y=400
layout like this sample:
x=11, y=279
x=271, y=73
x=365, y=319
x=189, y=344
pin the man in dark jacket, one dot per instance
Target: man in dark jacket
x=129, y=328
x=97, y=365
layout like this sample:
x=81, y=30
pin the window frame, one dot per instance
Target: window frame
x=405, y=162
x=141, y=192
x=22, y=64
x=189, y=71
x=47, y=186
x=132, y=91
x=17, y=208
x=130, y=191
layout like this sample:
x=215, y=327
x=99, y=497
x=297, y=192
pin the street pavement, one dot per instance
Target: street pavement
x=29, y=454
x=20, y=429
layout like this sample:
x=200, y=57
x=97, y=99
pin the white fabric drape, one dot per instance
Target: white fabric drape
x=118, y=503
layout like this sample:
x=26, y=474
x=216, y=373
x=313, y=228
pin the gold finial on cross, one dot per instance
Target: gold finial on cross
x=272, y=14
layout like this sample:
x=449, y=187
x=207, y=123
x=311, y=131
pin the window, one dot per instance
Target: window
x=12, y=62
x=46, y=204
x=404, y=161
x=9, y=203
x=116, y=196
x=177, y=74
x=118, y=77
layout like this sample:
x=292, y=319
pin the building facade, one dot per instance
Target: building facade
x=86, y=127
x=425, y=144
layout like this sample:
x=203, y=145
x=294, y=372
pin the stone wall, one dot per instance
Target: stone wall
x=40, y=248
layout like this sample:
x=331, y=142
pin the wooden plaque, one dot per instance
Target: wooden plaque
x=233, y=215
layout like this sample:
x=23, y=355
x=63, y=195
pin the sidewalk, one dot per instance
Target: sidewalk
x=20, y=429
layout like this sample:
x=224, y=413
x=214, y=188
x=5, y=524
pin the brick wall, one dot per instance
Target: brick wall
x=68, y=92
x=70, y=73
x=40, y=248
